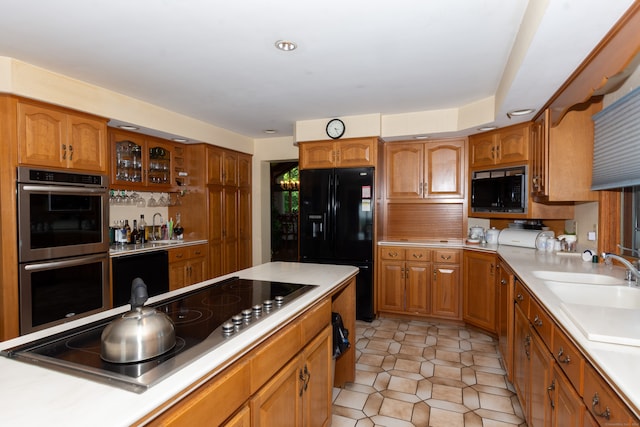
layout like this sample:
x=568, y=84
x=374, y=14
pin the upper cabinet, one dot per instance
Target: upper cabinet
x=344, y=153
x=59, y=138
x=562, y=157
x=141, y=161
x=432, y=170
x=507, y=146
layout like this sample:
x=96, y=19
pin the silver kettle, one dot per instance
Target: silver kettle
x=140, y=334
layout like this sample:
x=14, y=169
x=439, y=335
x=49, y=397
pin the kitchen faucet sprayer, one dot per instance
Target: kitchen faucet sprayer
x=631, y=269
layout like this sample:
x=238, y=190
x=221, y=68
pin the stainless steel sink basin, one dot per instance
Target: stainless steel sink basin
x=585, y=278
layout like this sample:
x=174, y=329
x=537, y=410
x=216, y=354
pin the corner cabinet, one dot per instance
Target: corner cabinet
x=431, y=171
x=479, y=301
x=343, y=153
x=59, y=138
x=506, y=146
x=562, y=157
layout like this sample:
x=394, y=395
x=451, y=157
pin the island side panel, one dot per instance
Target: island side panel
x=343, y=301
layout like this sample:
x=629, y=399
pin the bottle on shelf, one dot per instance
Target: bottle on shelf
x=163, y=230
x=177, y=229
x=121, y=233
x=170, y=228
x=135, y=234
x=142, y=228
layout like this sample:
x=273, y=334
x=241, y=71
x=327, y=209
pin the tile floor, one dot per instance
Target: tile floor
x=419, y=373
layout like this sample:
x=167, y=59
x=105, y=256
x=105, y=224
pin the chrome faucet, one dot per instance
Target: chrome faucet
x=153, y=225
x=631, y=269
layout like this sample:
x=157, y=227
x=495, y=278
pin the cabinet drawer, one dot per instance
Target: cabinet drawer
x=522, y=298
x=178, y=254
x=392, y=252
x=417, y=254
x=196, y=251
x=603, y=403
x=569, y=358
x=316, y=320
x=451, y=256
x=541, y=322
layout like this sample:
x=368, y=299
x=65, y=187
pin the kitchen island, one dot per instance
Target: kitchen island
x=33, y=395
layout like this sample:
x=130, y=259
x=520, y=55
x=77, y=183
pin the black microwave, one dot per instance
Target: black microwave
x=499, y=190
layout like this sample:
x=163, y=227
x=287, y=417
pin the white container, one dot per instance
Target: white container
x=541, y=242
x=492, y=235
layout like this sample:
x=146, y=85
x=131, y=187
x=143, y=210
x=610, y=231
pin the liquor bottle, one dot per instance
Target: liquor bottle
x=142, y=228
x=127, y=228
x=177, y=229
x=135, y=234
x=163, y=231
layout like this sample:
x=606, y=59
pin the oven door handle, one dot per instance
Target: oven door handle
x=63, y=189
x=64, y=262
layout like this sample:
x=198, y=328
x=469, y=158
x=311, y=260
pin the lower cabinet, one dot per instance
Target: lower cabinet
x=504, y=314
x=187, y=265
x=479, y=301
x=445, y=285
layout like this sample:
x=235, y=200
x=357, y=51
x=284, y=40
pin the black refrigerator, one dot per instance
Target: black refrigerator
x=336, y=225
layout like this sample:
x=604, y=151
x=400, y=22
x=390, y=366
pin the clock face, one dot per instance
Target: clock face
x=335, y=128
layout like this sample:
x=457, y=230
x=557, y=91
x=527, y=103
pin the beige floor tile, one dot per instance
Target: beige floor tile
x=407, y=365
x=448, y=393
x=443, y=418
x=371, y=359
x=396, y=409
x=496, y=403
x=340, y=421
x=403, y=385
x=351, y=399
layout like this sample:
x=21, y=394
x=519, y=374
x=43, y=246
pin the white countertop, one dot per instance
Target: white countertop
x=32, y=395
x=150, y=246
x=619, y=364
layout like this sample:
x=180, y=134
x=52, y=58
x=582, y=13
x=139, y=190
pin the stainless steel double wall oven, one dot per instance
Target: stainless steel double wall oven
x=63, y=246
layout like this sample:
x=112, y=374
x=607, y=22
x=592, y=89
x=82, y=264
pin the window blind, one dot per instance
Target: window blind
x=616, y=150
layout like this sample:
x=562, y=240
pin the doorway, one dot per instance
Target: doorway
x=285, y=184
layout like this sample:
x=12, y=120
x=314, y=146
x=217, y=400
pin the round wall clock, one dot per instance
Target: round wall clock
x=335, y=128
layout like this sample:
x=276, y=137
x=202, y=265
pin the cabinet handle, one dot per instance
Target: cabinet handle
x=503, y=282
x=301, y=377
x=527, y=344
x=519, y=297
x=493, y=153
x=392, y=254
x=446, y=258
x=197, y=252
x=537, y=321
x=435, y=274
x=491, y=270
x=64, y=154
x=70, y=152
x=549, y=390
x=179, y=255
x=417, y=256
x=594, y=403
x=561, y=359
x=307, y=377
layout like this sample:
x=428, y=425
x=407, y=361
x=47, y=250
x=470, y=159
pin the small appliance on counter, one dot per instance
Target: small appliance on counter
x=521, y=237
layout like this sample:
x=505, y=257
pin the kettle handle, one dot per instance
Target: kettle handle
x=139, y=294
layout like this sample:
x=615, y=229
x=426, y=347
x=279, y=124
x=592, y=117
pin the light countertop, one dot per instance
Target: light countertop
x=32, y=395
x=150, y=246
x=618, y=364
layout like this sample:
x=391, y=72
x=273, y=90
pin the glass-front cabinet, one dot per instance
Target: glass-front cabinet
x=142, y=161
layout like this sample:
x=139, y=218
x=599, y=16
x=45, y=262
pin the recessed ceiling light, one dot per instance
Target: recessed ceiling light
x=522, y=112
x=179, y=139
x=270, y=131
x=421, y=137
x=286, y=45
x=486, y=128
x=128, y=127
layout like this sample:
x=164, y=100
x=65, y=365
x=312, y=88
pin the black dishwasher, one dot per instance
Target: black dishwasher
x=152, y=267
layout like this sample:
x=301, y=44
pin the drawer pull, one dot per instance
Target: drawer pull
x=527, y=344
x=417, y=256
x=503, y=282
x=179, y=255
x=563, y=359
x=446, y=258
x=392, y=254
x=549, y=390
x=594, y=403
x=537, y=321
x=198, y=252
x=519, y=297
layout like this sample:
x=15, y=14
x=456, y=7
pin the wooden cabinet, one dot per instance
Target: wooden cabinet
x=506, y=146
x=562, y=157
x=567, y=409
x=434, y=170
x=479, y=289
x=603, y=403
x=59, y=138
x=344, y=153
x=144, y=162
x=229, y=210
x=504, y=315
x=404, y=280
x=187, y=265
x=445, y=286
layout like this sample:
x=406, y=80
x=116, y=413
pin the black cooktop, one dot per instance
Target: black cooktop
x=203, y=319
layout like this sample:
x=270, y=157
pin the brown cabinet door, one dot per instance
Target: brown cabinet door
x=521, y=359
x=87, y=143
x=482, y=150
x=417, y=287
x=567, y=409
x=230, y=168
x=317, y=155
x=539, y=165
x=404, y=170
x=504, y=321
x=540, y=379
x=241, y=419
x=317, y=384
x=391, y=286
x=445, y=291
x=479, y=302
x=444, y=170
x=356, y=153
x=244, y=228
x=278, y=403
x=230, y=232
x=215, y=165
x=244, y=170
x=216, y=227
x=513, y=144
x=42, y=139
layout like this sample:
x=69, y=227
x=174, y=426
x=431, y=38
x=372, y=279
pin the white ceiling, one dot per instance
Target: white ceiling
x=216, y=61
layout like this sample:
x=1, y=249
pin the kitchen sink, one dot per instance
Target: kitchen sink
x=585, y=278
x=596, y=295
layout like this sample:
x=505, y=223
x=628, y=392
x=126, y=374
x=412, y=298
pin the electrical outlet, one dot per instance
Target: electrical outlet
x=591, y=235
